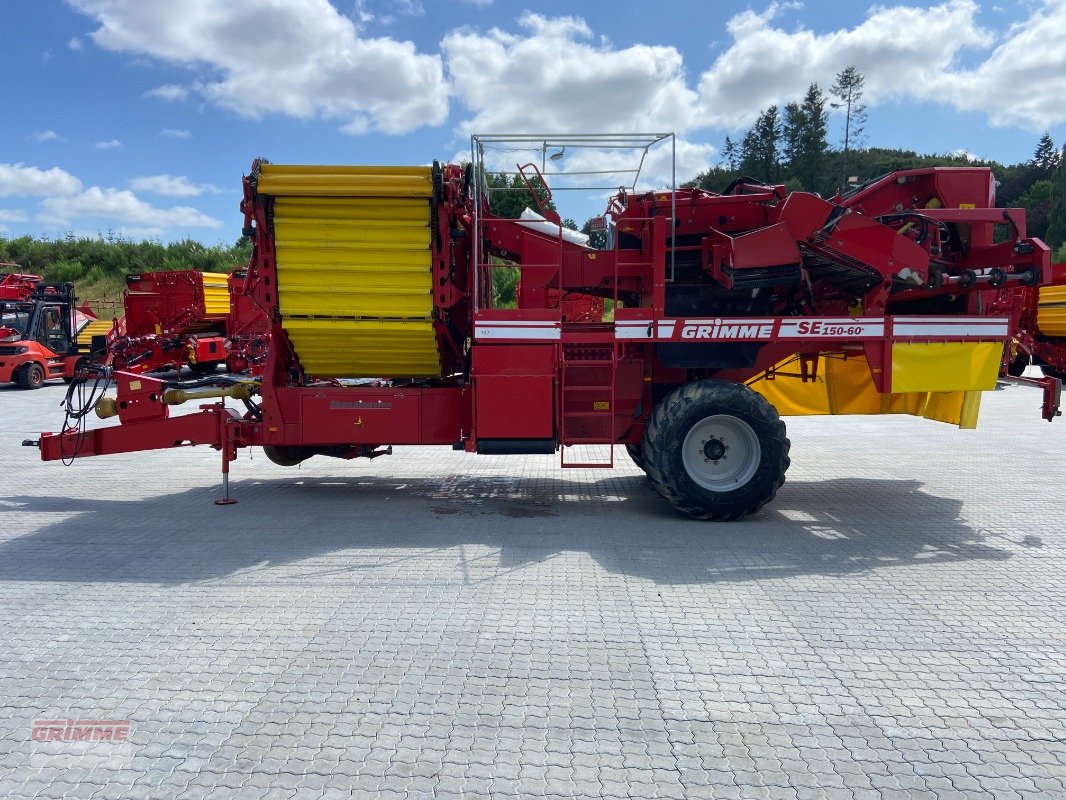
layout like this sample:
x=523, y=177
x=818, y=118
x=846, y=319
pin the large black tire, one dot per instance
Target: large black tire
x=636, y=452
x=693, y=433
x=287, y=455
x=31, y=376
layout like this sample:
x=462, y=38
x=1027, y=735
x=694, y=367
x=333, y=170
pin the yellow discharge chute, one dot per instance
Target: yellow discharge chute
x=940, y=381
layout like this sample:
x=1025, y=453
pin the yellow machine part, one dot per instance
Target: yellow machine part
x=844, y=386
x=216, y=294
x=98, y=327
x=1051, y=311
x=946, y=366
x=283, y=180
x=354, y=268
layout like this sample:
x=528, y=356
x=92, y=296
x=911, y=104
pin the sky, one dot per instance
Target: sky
x=137, y=118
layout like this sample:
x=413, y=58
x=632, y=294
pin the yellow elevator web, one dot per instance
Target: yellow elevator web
x=1051, y=311
x=216, y=294
x=354, y=268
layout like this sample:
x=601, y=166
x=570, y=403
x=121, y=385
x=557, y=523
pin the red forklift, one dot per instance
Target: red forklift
x=39, y=337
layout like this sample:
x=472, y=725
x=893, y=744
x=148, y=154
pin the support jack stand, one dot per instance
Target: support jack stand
x=225, y=500
x=229, y=453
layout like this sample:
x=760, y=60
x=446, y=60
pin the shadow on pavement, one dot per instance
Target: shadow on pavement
x=352, y=526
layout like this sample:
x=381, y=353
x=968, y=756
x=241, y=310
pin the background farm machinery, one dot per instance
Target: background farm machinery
x=171, y=320
x=43, y=334
x=186, y=318
x=729, y=311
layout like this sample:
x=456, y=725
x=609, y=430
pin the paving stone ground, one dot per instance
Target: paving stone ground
x=438, y=625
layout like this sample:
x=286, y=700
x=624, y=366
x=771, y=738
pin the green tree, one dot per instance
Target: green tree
x=759, y=148
x=509, y=196
x=792, y=130
x=730, y=155
x=813, y=144
x=1037, y=204
x=848, y=90
x=1046, y=156
x=1056, y=232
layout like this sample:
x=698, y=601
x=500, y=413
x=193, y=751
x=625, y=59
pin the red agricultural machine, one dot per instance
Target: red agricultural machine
x=187, y=318
x=172, y=319
x=730, y=311
x=16, y=285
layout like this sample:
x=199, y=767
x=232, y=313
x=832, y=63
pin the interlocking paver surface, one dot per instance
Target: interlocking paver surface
x=437, y=624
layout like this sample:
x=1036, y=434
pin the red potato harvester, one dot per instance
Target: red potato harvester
x=730, y=311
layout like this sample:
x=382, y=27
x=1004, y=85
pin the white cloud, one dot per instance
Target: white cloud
x=76, y=44
x=902, y=52
x=175, y=133
x=111, y=144
x=570, y=83
x=170, y=186
x=121, y=206
x=168, y=91
x=357, y=126
x=574, y=82
x=301, y=58
x=12, y=215
x=1021, y=81
x=18, y=180
x=45, y=136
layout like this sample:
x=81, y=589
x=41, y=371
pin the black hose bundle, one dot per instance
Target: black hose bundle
x=80, y=400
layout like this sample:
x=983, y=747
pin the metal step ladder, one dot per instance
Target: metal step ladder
x=587, y=397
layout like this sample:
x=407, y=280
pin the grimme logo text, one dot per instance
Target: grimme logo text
x=717, y=329
x=80, y=730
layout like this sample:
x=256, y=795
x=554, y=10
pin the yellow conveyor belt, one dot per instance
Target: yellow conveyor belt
x=354, y=268
x=216, y=294
x=1051, y=311
x=98, y=327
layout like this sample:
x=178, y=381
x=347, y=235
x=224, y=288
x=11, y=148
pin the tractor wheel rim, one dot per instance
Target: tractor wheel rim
x=721, y=453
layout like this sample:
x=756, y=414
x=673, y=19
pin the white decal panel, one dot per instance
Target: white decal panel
x=764, y=329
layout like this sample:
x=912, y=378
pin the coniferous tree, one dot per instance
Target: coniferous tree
x=759, y=148
x=1046, y=156
x=730, y=154
x=1056, y=232
x=813, y=143
x=792, y=130
x=848, y=89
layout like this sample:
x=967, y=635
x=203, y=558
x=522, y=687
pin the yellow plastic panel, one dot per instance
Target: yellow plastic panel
x=1051, y=311
x=332, y=181
x=338, y=348
x=945, y=366
x=216, y=294
x=845, y=387
x=354, y=268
